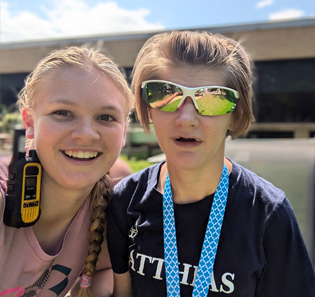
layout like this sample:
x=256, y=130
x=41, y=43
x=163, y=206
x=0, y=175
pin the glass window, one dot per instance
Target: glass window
x=285, y=91
x=270, y=134
x=10, y=86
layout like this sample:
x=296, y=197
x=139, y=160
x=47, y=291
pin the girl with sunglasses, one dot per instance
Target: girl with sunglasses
x=74, y=107
x=200, y=224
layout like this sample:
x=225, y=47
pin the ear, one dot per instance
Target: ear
x=123, y=143
x=231, y=125
x=150, y=115
x=28, y=123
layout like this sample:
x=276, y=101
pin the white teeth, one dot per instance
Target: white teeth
x=81, y=154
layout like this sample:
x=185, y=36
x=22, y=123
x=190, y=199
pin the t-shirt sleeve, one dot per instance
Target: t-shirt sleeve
x=288, y=270
x=118, y=228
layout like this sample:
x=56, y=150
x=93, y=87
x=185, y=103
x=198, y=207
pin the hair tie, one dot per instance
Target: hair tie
x=85, y=281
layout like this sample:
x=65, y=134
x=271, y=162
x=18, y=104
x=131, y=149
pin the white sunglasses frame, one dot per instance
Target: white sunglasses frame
x=189, y=92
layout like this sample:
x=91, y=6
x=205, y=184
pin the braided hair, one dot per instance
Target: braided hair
x=99, y=200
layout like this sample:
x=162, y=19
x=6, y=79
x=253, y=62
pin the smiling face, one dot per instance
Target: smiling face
x=191, y=141
x=78, y=126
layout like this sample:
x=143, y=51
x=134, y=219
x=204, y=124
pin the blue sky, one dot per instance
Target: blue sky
x=44, y=19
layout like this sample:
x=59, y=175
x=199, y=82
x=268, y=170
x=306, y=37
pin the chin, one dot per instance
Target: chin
x=186, y=163
x=80, y=183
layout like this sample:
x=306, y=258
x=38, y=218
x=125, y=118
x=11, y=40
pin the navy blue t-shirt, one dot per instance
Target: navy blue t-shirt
x=260, y=253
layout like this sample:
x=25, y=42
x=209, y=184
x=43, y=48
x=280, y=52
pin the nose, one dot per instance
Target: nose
x=188, y=116
x=85, y=130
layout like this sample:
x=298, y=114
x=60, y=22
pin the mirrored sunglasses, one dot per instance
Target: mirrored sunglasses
x=208, y=100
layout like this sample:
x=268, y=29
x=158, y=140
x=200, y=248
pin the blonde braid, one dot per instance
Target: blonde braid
x=99, y=200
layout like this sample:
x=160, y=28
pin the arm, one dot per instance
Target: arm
x=122, y=285
x=118, y=227
x=119, y=253
x=118, y=244
x=288, y=270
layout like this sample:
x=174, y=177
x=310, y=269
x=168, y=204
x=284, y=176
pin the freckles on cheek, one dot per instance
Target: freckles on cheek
x=216, y=130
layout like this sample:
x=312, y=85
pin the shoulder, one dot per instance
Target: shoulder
x=140, y=181
x=133, y=188
x=258, y=204
x=253, y=191
x=248, y=181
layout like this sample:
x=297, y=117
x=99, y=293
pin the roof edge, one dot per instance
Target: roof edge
x=305, y=22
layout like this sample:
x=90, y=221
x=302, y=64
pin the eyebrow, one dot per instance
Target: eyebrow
x=60, y=100
x=72, y=103
x=109, y=107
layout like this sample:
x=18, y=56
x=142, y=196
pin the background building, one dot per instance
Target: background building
x=283, y=55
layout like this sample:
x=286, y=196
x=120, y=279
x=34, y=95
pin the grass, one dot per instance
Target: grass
x=216, y=105
x=136, y=164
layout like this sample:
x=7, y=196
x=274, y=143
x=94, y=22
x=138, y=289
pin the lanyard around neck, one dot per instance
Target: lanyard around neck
x=210, y=244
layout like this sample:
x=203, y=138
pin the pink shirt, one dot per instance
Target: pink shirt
x=26, y=268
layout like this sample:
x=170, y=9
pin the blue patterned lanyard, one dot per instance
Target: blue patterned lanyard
x=210, y=244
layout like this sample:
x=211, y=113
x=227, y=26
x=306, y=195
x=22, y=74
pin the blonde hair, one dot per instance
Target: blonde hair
x=72, y=56
x=84, y=58
x=180, y=49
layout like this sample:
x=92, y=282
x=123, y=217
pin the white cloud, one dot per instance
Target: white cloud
x=264, y=3
x=286, y=14
x=70, y=18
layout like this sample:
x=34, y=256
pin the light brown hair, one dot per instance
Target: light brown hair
x=180, y=49
x=84, y=58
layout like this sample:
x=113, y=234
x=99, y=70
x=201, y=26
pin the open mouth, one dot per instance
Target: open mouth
x=182, y=139
x=80, y=155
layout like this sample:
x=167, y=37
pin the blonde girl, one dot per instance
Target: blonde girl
x=74, y=106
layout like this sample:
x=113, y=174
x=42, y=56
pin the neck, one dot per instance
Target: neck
x=189, y=186
x=58, y=208
x=59, y=203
